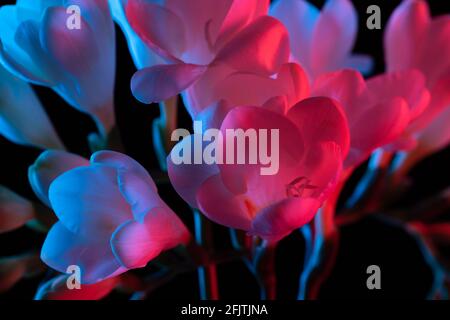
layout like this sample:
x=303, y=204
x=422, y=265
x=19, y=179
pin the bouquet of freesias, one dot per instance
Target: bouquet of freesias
x=282, y=114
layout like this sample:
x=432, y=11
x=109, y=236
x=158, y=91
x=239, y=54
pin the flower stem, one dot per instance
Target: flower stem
x=207, y=275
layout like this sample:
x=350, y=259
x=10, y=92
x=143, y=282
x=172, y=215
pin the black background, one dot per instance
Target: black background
x=404, y=273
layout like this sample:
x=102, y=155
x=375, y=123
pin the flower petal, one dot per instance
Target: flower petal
x=242, y=88
x=202, y=20
x=240, y=14
x=261, y=48
x=433, y=62
x=136, y=243
x=158, y=83
x=334, y=36
x=47, y=167
x=15, y=210
x=233, y=211
x=135, y=183
x=300, y=18
x=277, y=221
x=86, y=59
x=284, y=151
x=87, y=200
x=92, y=254
x=187, y=178
x=20, y=107
x=142, y=55
x=17, y=38
x=346, y=86
x=378, y=126
x=405, y=31
x=410, y=85
x=321, y=120
x=160, y=28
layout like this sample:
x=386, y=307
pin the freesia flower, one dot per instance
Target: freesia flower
x=415, y=40
x=204, y=42
x=79, y=64
x=380, y=111
x=111, y=218
x=19, y=107
x=322, y=41
x=313, y=139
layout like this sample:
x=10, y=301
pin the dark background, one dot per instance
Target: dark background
x=370, y=241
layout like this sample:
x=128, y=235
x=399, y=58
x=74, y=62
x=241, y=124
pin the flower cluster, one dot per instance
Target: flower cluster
x=238, y=65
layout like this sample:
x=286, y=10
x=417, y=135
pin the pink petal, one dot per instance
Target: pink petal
x=242, y=88
x=200, y=95
x=409, y=85
x=239, y=177
x=160, y=28
x=18, y=38
x=404, y=34
x=48, y=166
x=239, y=16
x=378, y=126
x=56, y=289
x=158, y=83
x=440, y=99
x=334, y=36
x=262, y=47
x=346, y=86
x=437, y=135
x=76, y=51
x=279, y=220
x=232, y=213
x=15, y=210
x=134, y=243
x=434, y=61
x=202, y=20
x=320, y=120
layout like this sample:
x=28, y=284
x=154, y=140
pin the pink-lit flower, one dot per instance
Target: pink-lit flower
x=322, y=41
x=380, y=111
x=415, y=40
x=111, y=218
x=203, y=43
x=313, y=139
x=79, y=64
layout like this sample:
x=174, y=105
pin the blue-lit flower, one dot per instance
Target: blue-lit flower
x=322, y=41
x=78, y=63
x=111, y=218
x=19, y=107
